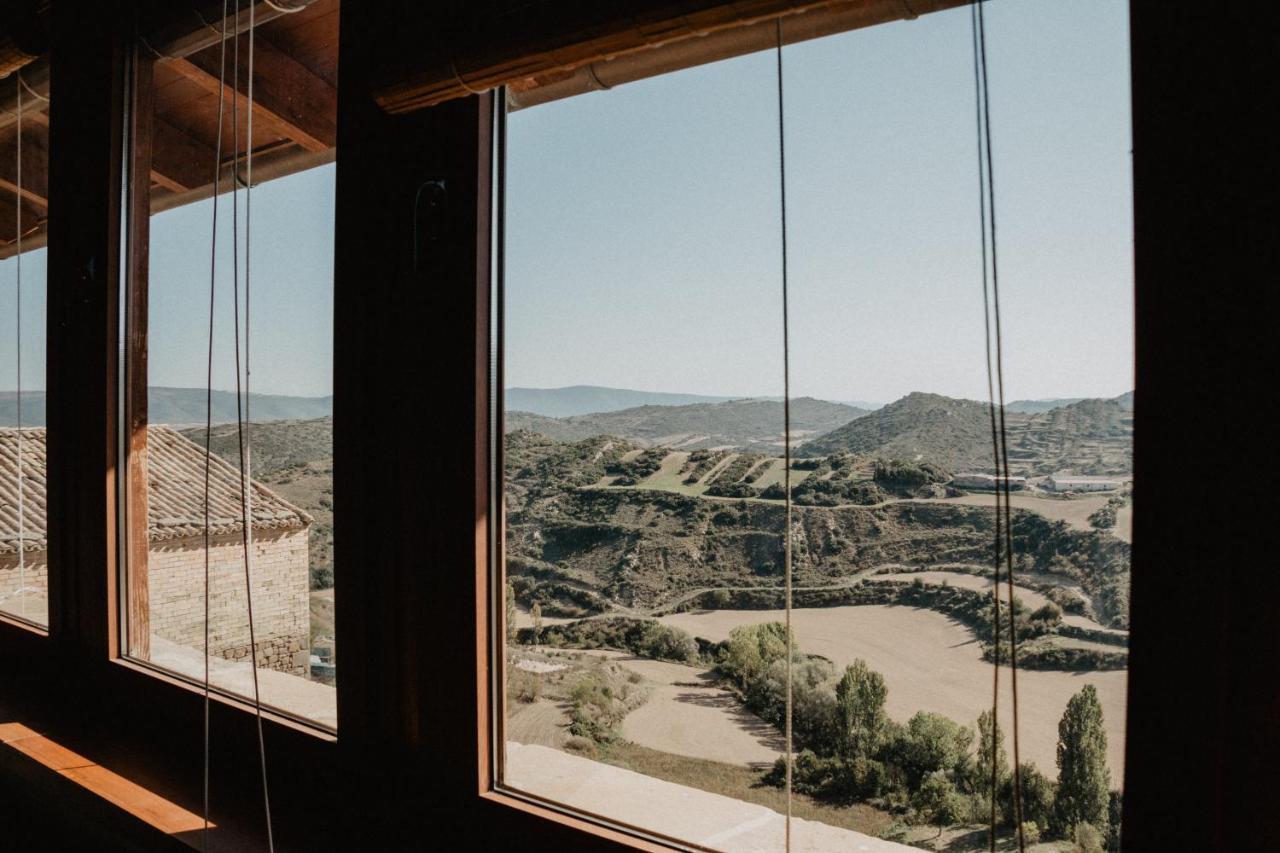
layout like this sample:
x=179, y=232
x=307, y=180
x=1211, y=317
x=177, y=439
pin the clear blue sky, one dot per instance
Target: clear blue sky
x=643, y=246
x=292, y=293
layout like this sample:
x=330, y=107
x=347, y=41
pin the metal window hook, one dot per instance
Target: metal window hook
x=429, y=202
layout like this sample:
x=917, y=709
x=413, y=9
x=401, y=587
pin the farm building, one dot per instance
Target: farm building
x=986, y=481
x=175, y=558
x=1083, y=484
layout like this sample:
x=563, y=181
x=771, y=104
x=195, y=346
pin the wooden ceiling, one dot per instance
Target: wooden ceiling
x=295, y=105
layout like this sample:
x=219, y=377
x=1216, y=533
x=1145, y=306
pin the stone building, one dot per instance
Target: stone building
x=176, y=553
x=986, y=481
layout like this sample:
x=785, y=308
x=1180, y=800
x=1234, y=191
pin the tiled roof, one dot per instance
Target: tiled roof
x=175, y=492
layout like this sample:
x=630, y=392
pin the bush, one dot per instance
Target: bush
x=525, y=686
x=938, y=802
x=582, y=746
x=909, y=475
x=1030, y=832
x=1087, y=838
x=321, y=577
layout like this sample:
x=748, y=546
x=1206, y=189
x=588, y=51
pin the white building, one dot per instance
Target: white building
x=1059, y=483
x=986, y=481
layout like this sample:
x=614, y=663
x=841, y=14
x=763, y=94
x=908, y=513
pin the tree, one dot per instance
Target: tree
x=1084, y=783
x=536, y=613
x=990, y=748
x=860, y=712
x=511, y=613
x=1037, y=797
x=938, y=802
x=933, y=743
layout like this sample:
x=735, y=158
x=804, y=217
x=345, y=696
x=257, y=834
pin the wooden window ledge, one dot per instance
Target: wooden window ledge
x=60, y=788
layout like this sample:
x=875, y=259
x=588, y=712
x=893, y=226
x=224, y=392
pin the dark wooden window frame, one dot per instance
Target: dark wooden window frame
x=414, y=756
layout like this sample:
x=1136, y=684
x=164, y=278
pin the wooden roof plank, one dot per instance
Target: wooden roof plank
x=179, y=162
x=289, y=99
x=35, y=166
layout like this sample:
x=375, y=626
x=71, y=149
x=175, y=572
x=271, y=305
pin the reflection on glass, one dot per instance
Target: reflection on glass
x=646, y=659
x=24, y=215
x=265, y=386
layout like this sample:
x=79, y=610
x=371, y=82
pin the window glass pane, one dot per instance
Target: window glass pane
x=645, y=677
x=276, y=436
x=24, y=213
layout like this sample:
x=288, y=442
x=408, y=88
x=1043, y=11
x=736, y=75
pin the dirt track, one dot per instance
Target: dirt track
x=933, y=663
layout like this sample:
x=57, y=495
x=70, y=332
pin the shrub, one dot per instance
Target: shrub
x=1051, y=614
x=321, y=577
x=1030, y=832
x=1087, y=838
x=938, y=802
x=525, y=686
x=582, y=746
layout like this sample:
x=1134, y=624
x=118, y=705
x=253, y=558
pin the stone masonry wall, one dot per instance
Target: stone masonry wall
x=25, y=593
x=281, y=597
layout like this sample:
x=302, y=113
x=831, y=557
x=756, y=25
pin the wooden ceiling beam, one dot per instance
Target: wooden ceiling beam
x=33, y=219
x=179, y=162
x=35, y=167
x=289, y=99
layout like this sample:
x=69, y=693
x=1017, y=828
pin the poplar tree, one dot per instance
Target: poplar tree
x=860, y=699
x=990, y=749
x=1084, y=782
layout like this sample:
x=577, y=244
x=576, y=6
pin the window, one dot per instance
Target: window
x=646, y=661
x=24, y=213
x=238, y=405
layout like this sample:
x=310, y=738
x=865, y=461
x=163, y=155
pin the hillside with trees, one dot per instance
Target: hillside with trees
x=1089, y=436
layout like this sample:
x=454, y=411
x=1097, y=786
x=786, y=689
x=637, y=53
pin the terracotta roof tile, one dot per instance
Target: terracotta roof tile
x=175, y=481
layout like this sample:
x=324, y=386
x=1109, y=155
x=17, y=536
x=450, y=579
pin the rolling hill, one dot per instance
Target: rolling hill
x=1090, y=436
x=1035, y=407
x=744, y=424
x=954, y=433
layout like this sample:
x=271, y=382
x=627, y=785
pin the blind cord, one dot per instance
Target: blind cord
x=208, y=400
x=242, y=400
x=999, y=433
x=17, y=205
x=786, y=422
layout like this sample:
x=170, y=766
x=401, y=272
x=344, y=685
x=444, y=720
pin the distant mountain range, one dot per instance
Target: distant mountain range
x=746, y=424
x=595, y=399
x=183, y=406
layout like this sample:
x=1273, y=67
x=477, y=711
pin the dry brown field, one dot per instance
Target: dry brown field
x=933, y=663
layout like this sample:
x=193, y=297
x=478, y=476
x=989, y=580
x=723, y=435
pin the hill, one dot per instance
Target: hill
x=578, y=545
x=1091, y=436
x=183, y=406
x=294, y=459
x=953, y=433
x=744, y=424
x=1035, y=407
x=1088, y=437
x=589, y=399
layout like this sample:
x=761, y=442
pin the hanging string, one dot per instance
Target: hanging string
x=995, y=435
x=17, y=206
x=786, y=419
x=208, y=400
x=999, y=434
x=242, y=409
